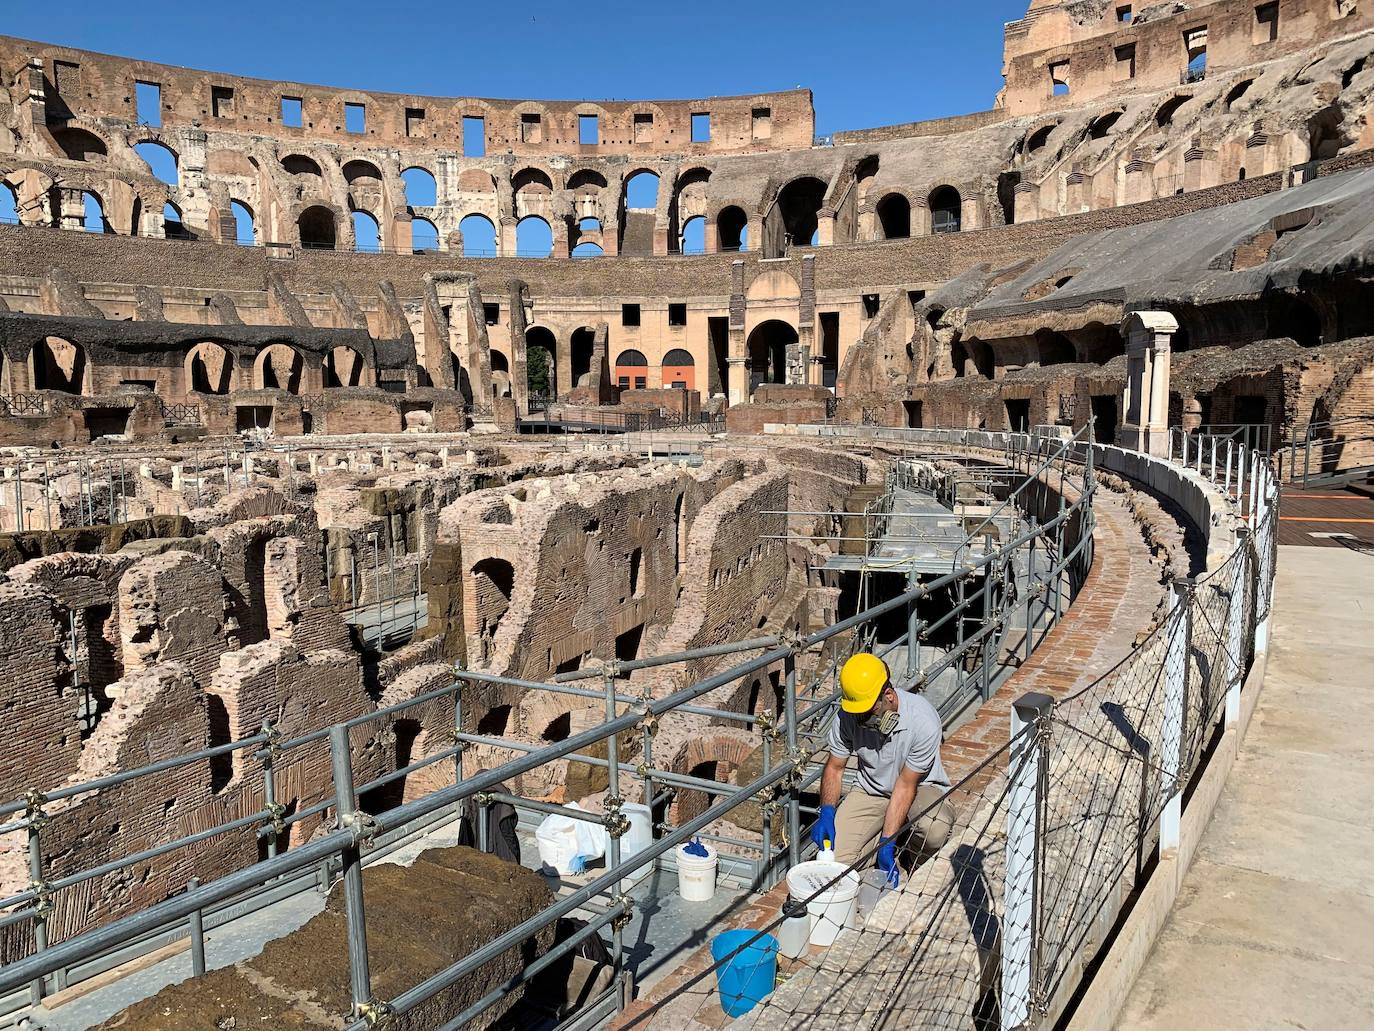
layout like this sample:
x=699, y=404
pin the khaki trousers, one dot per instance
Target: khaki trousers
x=859, y=821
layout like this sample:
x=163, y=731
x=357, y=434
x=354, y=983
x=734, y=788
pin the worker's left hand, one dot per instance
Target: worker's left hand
x=887, y=860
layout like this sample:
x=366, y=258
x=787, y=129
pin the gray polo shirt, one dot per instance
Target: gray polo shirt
x=915, y=744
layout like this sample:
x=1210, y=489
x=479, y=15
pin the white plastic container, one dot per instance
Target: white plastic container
x=832, y=909
x=556, y=837
x=638, y=837
x=696, y=875
x=795, y=930
x=567, y=844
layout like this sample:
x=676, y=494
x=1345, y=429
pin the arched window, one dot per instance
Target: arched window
x=317, y=228
x=424, y=236
x=946, y=210
x=631, y=371
x=365, y=233
x=94, y=218
x=244, y=228
x=894, y=216
x=160, y=159
x=679, y=369
x=732, y=229
x=589, y=225
x=588, y=250
x=800, y=203
x=1099, y=127
x=1165, y=115
x=421, y=190
x=533, y=238
x=80, y=145
x=641, y=191
x=343, y=367
x=694, y=235
x=172, y=225
x=583, y=344
x=541, y=362
x=279, y=368
x=1054, y=348
x=299, y=164
x=767, y=348
x=58, y=364
x=209, y=368
x=1036, y=141
x=9, y=205
x=356, y=170
x=479, y=237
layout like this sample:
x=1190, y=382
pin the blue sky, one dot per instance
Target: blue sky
x=872, y=64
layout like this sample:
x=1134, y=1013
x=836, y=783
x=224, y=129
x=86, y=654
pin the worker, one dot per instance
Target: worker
x=895, y=739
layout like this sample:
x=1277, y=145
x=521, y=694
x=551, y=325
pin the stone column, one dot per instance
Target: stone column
x=1145, y=404
x=1027, y=202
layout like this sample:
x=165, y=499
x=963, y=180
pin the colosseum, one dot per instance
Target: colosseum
x=433, y=529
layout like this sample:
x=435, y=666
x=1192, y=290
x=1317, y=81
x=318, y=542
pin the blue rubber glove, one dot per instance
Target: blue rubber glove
x=824, y=829
x=887, y=860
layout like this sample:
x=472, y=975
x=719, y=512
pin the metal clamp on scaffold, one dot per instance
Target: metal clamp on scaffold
x=378, y=1015
x=34, y=815
x=626, y=905
x=272, y=746
x=363, y=827
x=615, y=822
x=276, y=816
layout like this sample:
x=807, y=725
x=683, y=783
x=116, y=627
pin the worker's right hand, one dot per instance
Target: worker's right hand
x=823, y=833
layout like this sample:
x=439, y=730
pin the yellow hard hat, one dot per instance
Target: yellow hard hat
x=861, y=681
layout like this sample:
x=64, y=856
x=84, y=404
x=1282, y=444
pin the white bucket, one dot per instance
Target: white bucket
x=831, y=910
x=696, y=875
x=638, y=837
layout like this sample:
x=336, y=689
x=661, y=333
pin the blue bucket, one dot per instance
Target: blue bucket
x=746, y=977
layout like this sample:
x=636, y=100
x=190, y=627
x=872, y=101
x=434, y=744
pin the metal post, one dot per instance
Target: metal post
x=1174, y=730
x=913, y=628
x=1235, y=633
x=269, y=790
x=615, y=827
x=377, y=586
x=42, y=906
x=355, y=921
x=197, y=935
x=1230, y=448
x=458, y=744
x=789, y=717
x=47, y=493
x=19, y=497
x=1032, y=590
x=1020, y=937
x=989, y=636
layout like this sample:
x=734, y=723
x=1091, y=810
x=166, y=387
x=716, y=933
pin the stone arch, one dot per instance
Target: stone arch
x=767, y=349
x=1037, y=138
x=798, y=213
x=58, y=364
x=491, y=582
x=946, y=210
x=1053, y=348
x=1165, y=115
x=343, y=367
x=542, y=338
x=479, y=236
x=421, y=189
x=581, y=348
x=318, y=227
x=162, y=161
x=500, y=374
x=300, y=164
x=358, y=169
x=894, y=216
x=732, y=229
x=80, y=144
x=1100, y=126
x=533, y=237
x=209, y=368
x=278, y=366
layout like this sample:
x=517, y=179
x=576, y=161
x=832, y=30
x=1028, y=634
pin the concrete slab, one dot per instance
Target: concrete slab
x=1273, y=927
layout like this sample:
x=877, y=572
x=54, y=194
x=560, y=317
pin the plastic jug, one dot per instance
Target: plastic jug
x=795, y=928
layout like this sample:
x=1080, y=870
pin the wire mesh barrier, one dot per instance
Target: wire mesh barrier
x=1045, y=834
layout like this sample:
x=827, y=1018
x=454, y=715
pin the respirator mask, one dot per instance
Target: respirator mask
x=884, y=724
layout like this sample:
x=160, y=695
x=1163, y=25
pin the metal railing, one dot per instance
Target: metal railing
x=788, y=740
x=1334, y=451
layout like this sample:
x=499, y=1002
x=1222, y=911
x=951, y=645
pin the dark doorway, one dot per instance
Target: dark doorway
x=1018, y=414
x=830, y=348
x=718, y=356
x=913, y=414
x=1104, y=418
